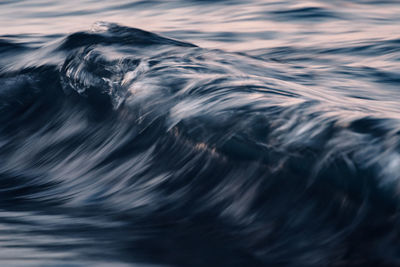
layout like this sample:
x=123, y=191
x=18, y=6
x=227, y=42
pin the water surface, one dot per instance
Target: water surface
x=199, y=133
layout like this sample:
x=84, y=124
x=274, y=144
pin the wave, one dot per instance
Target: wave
x=121, y=144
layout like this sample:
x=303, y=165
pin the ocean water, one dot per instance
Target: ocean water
x=199, y=133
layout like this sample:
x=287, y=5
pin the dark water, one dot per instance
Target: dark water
x=199, y=133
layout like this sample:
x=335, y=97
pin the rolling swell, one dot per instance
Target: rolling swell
x=121, y=145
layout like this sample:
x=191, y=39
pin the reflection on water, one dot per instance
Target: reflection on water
x=231, y=25
x=199, y=133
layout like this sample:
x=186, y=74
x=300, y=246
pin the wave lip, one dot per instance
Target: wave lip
x=104, y=33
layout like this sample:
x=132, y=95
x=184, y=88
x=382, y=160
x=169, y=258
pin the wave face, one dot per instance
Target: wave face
x=120, y=147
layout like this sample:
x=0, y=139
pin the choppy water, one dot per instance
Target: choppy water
x=199, y=133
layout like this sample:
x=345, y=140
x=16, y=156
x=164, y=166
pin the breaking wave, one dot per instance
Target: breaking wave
x=123, y=146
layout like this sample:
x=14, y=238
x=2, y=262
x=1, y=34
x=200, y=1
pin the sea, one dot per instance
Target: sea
x=198, y=133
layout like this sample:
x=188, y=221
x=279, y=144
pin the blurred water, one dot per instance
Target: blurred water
x=199, y=133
